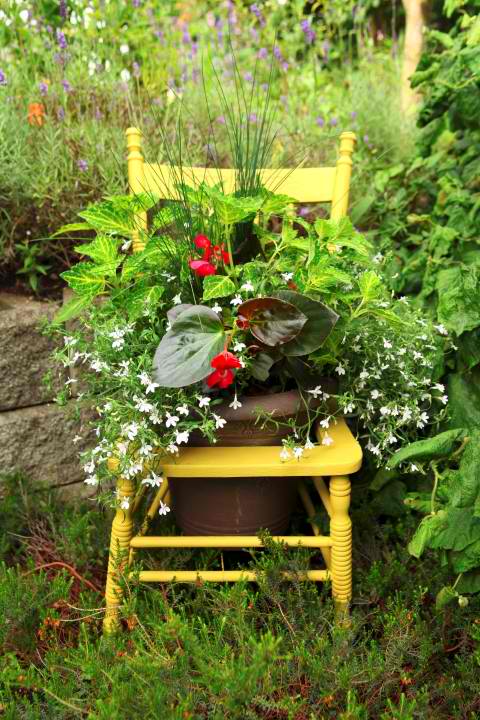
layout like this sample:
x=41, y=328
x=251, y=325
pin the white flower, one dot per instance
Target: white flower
x=163, y=509
x=297, y=452
x=235, y=404
x=89, y=467
x=349, y=408
x=217, y=308
x=151, y=387
x=132, y=430
x=248, y=287
x=387, y=344
x=219, y=422
x=182, y=409
x=118, y=344
x=125, y=504
x=284, y=454
x=287, y=276
x=407, y=415
x=92, y=480
x=24, y=15
x=127, y=243
x=316, y=392
x=377, y=258
x=239, y=346
x=76, y=439
x=422, y=420
x=417, y=355
x=172, y=448
x=124, y=49
x=171, y=420
x=144, y=378
x=203, y=402
x=403, y=299
x=237, y=300
x=413, y=467
x=146, y=450
x=182, y=437
x=325, y=423
x=374, y=449
x=439, y=387
x=375, y=394
x=177, y=299
x=125, y=75
x=142, y=405
x=155, y=418
x=309, y=445
x=385, y=411
x=444, y=399
x=327, y=440
x=392, y=439
x=364, y=375
x=441, y=329
x=153, y=480
x=340, y=370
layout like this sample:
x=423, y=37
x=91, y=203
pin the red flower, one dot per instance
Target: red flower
x=221, y=253
x=223, y=375
x=202, y=267
x=203, y=243
x=242, y=323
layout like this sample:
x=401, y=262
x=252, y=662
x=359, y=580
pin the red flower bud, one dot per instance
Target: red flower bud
x=243, y=323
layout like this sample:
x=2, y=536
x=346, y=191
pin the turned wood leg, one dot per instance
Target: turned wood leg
x=122, y=531
x=341, y=534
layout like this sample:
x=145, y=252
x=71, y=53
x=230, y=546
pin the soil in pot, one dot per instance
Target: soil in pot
x=241, y=506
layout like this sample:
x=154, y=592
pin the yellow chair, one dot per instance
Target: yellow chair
x=336, y=461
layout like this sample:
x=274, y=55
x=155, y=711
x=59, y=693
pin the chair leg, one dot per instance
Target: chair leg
x=122, y=532
x=341, y=534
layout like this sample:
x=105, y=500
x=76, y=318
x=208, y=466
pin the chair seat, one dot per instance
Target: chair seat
x=342, y=457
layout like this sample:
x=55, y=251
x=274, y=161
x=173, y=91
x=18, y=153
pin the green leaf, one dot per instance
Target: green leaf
x=72, y=309
x=458, y=291
x=439, y=446
x=275, y=203
x=217, y=286
x=186, y=351
x=341, y=233
x=261, y=366
x=428, y=527
x=444, y=597
x=464, y=400
x=459, y=528
x=467, y=488
x=86, y=278
x=469, y=582
x=117, y=215
x=71, y=227
x=229, y=209
x=272, y=321
x=141, y=298
x=320, y=322
x=370, y=285
x=103, y=249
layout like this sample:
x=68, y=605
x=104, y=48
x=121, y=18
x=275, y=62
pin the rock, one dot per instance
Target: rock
x=26, y=354
x=39, y=442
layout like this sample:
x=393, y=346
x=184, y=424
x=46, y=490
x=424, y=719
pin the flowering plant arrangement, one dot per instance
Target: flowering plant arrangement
x=183, y=328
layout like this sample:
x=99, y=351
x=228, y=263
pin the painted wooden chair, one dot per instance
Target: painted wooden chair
x=336, y=462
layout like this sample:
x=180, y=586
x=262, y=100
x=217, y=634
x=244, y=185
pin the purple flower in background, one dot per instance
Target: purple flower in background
x=284, y=100
x=82, y=165
x=262, y=54
x=303, y=211
x=66, y=86
x=277, y=52
x=136, y=69
x=308, y=31
x=248, y=76
x=334, y=122
x=264, y=87
x=186, y=39
x=61, y=40
x=60, y=113
x=221, y=119
x=353, y=114
x=43, y=88
x=62, y=9
x=3, y=78
x=320, y=121
x=136, y=3
x=254, y=34
x=252, y=118
x=325, y=49
x=98, y=114
x=258, y=14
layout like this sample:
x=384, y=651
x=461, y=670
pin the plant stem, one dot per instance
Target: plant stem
x=435, y=486
x=230, y=255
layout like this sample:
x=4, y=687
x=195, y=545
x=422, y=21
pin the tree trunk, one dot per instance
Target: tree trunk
x=416, y=19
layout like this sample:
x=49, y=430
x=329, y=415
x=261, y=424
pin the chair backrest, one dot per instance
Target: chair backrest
x=306, y=185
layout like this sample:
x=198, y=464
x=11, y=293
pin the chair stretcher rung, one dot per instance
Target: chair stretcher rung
x=229, y=541
x=222, y=575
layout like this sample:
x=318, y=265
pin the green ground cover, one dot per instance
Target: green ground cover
x=238, y=651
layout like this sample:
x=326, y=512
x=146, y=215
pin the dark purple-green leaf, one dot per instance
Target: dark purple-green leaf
x=272, y=321
x=320, y=322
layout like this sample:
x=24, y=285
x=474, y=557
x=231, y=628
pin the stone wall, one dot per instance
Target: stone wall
x=35, y=434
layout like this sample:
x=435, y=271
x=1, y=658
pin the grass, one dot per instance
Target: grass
x=270, y=651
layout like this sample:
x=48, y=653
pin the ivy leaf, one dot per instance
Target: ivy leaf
x=86, y=278
x=72, y=309
x=103, y=249
x=272, y=321
x=186, y=351
x=217, y=286
x=320, y=322
x=439, y=446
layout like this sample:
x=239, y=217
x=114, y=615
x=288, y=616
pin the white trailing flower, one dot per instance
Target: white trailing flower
x=182, y=437
x=235, y=404
x=287, y=276
x=237, y=300
x=203, y=402
x=163, y=509
x=153, y=480
x=171, y=420
x=285, y=454
x=309, y=445
x=182, y=409
x=125, y=504
x=219, y=422
x=327, y=440
x=217, y=308
x=177, y=299
x=91, y=480
x=297, y=452
x=316, y=392
x=239, y=346
x=247, y=286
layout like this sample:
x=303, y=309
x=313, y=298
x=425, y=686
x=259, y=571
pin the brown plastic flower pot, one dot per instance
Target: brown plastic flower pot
x=242, y=506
